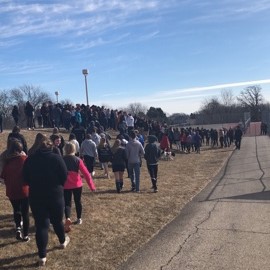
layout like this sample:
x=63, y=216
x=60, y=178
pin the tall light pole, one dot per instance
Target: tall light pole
x=56, y=94
x=85, y=73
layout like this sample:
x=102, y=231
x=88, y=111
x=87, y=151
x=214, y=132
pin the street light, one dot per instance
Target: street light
x=56, y=94
x=85, y=73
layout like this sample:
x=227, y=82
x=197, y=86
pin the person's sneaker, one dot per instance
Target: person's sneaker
x=155, y=190
x=42, y=261
x=26, y=238
x=78, y=221
x=19, y=234
x=64, y=245
x=93, y=173
x=67, y=225
x=133, y=189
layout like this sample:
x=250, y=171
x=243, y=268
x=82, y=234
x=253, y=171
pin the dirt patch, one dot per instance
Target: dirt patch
x=114, y=225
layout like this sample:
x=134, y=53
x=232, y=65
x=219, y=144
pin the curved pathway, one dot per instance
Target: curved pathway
x=226, y=226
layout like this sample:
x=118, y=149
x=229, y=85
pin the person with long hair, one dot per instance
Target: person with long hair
x=119, y=158
x=17, y=135
x=104, y=155
x=16, y=189
x=45, y=172
x=73, y=185
x=39, y=140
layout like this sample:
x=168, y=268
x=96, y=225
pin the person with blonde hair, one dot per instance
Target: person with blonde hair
x=73, y=185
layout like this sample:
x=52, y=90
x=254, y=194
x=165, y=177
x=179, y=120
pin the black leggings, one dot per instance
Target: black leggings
x=44, y=212
x=21, y=213
x=153, y=170
x=89, y=162
x=77, y=194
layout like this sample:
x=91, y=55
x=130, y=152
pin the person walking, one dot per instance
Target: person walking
x=104, y=156
x=238, y=137
x=89, y=153
x=152, y=154
x=135, y=152
x=119, y=158
x=72, y=139
x=16, y=189
x=45, y=172
x=17, y=135
x=73, y=185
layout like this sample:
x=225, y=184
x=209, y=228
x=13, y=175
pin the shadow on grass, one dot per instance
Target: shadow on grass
x=6, y=262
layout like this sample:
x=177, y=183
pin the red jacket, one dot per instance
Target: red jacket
x=12, y=174
x=164, y=143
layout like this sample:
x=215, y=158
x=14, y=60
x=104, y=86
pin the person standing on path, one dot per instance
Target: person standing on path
x=45, y=172
x=135, y=152
x=238, y=137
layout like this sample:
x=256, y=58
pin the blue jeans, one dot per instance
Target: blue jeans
x=134, y=173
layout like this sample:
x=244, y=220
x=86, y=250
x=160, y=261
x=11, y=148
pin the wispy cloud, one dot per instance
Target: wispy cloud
x=213, y=87
x=83, y=45
x=24, y=67
x=78, y=17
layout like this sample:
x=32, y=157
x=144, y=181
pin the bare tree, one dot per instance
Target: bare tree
x=136, y=108
x=31, y=93
x=251, y=97
x=227, y=97
x=5, y=102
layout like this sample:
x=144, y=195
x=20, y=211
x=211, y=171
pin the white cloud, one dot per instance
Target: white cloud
x=213, y=87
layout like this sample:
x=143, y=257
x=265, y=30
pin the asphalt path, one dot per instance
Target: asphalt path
x=226, y=226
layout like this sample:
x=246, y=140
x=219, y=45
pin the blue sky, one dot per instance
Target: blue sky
x=171, y=54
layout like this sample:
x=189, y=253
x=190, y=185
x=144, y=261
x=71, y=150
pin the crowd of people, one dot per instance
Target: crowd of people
x=47, y=175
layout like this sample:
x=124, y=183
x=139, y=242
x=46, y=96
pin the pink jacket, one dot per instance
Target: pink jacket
x=74, y=179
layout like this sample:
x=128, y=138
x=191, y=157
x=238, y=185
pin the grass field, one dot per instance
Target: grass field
x=114, y=225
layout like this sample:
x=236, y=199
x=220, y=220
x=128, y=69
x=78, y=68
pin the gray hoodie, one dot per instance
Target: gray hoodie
x=135, y=151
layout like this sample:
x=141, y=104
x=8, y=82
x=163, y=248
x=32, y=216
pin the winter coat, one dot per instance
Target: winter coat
x=75, y=165
x=46, y=173
x=16, y=188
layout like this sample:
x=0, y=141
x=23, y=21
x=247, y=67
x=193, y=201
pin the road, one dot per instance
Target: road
x=226, y=226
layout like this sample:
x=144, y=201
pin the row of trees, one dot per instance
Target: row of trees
x=250, y=100
x=226, y=106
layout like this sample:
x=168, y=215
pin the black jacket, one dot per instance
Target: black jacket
x=152, y=153
x=45, y=173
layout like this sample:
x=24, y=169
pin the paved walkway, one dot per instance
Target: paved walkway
x=227, y=226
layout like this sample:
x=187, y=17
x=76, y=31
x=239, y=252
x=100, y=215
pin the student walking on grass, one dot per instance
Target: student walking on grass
x=104, y=156
x=89, y=153
x=119, y=158
x=73, y=185
x=16, y=189
x=152, y=154
x=135, y=152
x=45, y=172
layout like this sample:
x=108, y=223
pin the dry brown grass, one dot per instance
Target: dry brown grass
x=114, y=225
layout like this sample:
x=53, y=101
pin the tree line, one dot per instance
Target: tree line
x=225, y=108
